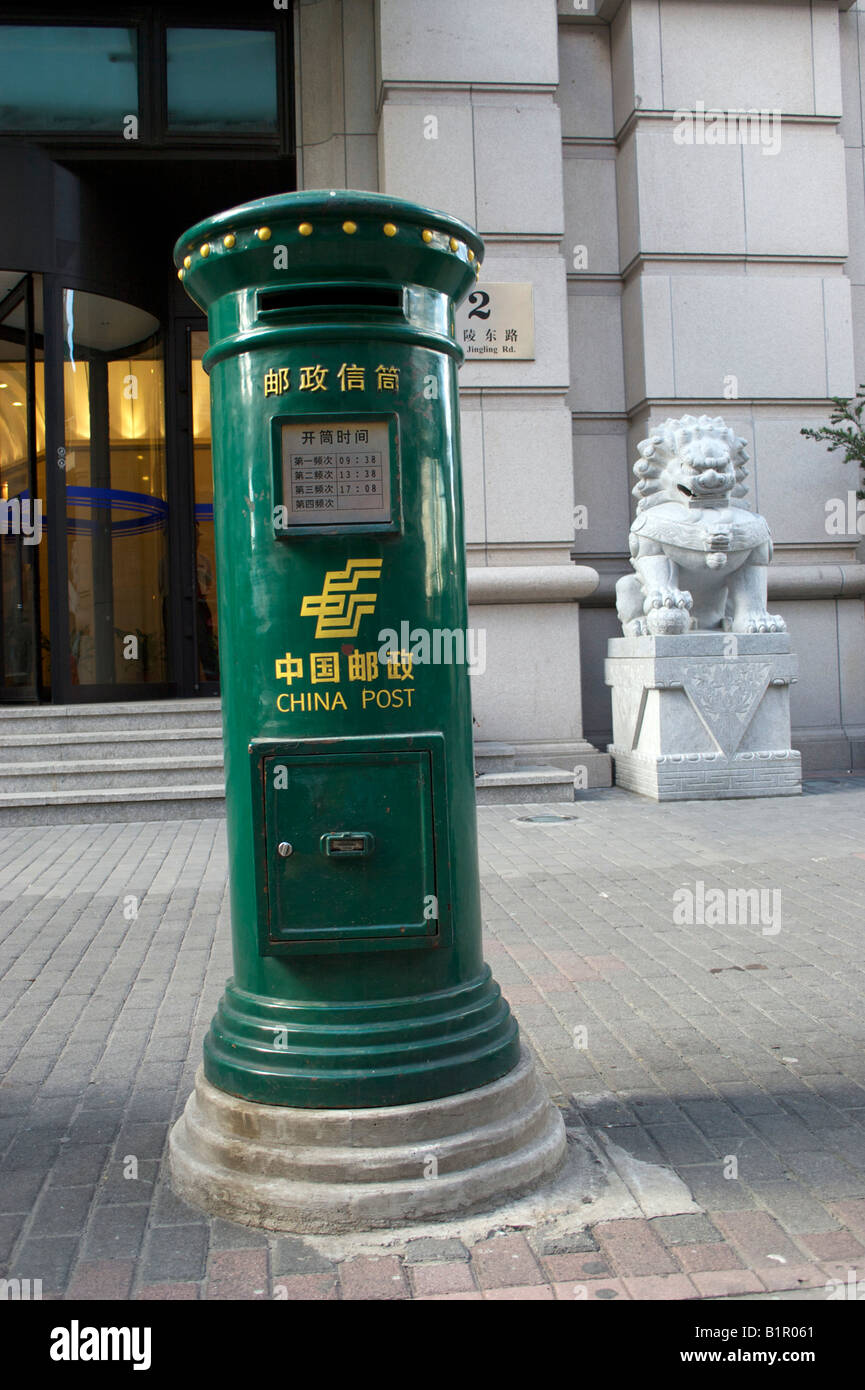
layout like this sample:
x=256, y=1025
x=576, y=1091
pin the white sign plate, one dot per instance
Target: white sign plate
x=336, y=472
x=497, y=321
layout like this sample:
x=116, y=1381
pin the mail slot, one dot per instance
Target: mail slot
x=359, y=977
x=348, y=844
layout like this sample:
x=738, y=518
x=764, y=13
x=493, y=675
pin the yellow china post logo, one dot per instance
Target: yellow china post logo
x=341, y=605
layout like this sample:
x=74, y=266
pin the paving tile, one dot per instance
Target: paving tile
x=710, y=1189
x=759, y=1237
x=115, y=1232
x=237, y=1274
x=115, y=1186
x=79, y=1164
x=725, y=1283
x=851, y=1214
x=785, y=1134
x=685, y=1230
x=562, y=1267
x=454, y=1276
x=793, y=1276
x=828, y=1175
x=102, y=1280
x=61, y=1211
x=661, y=1286
x=48, y=1258
x=592, y=1291
x=505, y=1261
x=293, y=1255
x=10, y=1229
x=95, y=1127
x=633, y=1140
x=19, y=1190
x=681, y=1143
x=531, y=1293
x=835, y=1245
x=849, y=1274
x=701, y=1258
x=756, y=1162
x=713, y=1117
x=167, y=1209
x=168, y=1293
x=172, y=1253
x=225, y=1235
x=373, y=1277
x=571, y=1243
x=428, y=1249
x=633, y=1248
x=306, y=1288
x=450, y=1298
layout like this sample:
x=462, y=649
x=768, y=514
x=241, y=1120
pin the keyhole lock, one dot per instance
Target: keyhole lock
x=284, y=849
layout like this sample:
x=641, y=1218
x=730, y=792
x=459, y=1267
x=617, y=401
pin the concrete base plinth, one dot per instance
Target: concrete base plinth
x=329, y=1171
x=703, y=715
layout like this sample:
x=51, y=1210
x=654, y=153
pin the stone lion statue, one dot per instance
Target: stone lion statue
x=701, y=556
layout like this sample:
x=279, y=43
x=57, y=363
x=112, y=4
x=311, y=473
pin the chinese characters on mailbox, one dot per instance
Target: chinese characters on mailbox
x=350, y=376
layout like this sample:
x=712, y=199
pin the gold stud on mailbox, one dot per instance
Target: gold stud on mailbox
x=390, y=229
x=349, y=228
x=228, y=241
x=263, y=233
x=305, y=229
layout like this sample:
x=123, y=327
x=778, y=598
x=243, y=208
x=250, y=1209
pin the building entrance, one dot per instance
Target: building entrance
x=107, y=573
x=25, y=655
x=120, y=125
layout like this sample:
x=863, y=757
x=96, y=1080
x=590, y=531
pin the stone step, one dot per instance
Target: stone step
x=117, y=805
x=59, y=764
x=98, y=745
x=524, y=784
x=81, y=774
x=589, y=767
x=122, y=715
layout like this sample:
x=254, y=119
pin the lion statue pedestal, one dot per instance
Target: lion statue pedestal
x=701, y=679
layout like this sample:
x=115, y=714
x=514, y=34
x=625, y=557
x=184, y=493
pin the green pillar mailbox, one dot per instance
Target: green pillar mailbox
x=358, y=977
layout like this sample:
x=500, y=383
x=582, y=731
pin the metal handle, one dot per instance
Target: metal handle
x=347, y=844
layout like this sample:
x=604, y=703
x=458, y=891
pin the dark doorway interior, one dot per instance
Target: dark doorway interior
x=103, y=400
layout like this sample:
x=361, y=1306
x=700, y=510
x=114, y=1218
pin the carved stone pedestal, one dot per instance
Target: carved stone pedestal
x=703, y=715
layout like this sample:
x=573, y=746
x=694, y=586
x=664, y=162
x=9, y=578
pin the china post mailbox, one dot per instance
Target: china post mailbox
x=358, y=974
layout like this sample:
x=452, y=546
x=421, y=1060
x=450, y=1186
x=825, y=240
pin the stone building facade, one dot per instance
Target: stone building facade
x=681, y=182
x=671, y=191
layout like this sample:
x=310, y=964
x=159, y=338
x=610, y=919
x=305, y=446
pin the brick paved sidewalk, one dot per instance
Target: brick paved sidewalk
x=727, y=1052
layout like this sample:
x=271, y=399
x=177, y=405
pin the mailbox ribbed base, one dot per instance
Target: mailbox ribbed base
x=378, y=1052
x=329, y=1171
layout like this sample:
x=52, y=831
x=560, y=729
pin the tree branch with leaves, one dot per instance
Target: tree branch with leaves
x=845, y=431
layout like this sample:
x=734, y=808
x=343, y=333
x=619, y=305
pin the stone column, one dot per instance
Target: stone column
x=468, y=122
x=335, y=102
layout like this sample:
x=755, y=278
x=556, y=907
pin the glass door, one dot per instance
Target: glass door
x=206, y=635
x=24, y=651
x=116, y=498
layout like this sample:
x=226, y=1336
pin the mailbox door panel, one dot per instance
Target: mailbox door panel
x=350, y=846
